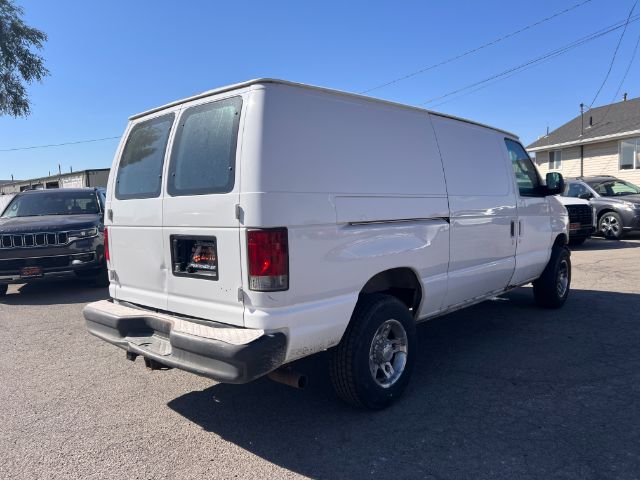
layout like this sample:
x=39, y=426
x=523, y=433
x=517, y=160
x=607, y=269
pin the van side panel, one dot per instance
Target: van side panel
x=313, y=142
x=360, y=187
x=483, y=206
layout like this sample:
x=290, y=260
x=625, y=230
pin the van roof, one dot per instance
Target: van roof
x=259, y=81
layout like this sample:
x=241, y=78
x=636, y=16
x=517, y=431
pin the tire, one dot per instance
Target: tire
x=610, y=225
x=575, y=241
x=98, y=278
x=102, y=279
x=358, y=354
x=3, y=289
x=552, y=288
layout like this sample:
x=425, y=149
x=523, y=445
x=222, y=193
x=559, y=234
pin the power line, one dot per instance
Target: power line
x=615, y=53
x=547, y=56
x=58, y=144
x=624, y=77
x=473, y=50
x=483, y=86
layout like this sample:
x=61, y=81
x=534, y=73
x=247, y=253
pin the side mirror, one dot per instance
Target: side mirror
x=555, y=183
x=585, y=196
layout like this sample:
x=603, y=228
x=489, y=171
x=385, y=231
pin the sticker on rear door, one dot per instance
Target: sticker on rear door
x=194, y=256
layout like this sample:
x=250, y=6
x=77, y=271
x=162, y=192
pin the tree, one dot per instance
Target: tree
x=19, y=65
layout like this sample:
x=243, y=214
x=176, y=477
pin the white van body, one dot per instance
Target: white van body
x=374, y=196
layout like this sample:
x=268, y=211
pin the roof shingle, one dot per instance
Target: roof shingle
x=606, y=120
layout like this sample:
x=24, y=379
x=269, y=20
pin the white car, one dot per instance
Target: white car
x=582, y=219
x=259, y=223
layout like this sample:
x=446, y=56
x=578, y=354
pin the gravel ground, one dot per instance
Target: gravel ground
x=501, y=390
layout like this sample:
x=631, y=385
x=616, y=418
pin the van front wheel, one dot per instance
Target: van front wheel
x=552, y=288
x=372, y=364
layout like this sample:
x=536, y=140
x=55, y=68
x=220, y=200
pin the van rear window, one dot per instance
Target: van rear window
x=204, y=150
x=140, y=169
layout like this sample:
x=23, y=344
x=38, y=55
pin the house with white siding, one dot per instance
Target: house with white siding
x=601, y=141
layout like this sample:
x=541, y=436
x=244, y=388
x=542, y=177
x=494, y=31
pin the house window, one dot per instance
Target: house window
x=630, y=154
x=555, y=159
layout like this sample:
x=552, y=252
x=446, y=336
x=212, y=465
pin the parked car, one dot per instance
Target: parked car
x=291, y=219
x=582, y=219
x=48, y=234
x=616, y=201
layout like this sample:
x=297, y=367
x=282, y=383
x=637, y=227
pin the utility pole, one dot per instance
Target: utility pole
x=581, y=134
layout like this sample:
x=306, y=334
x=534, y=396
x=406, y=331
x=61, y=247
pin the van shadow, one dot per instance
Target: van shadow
x=500, y=390
x=64, y=291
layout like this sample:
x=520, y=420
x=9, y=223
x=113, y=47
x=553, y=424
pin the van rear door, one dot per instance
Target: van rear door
x=134, y=213
x=200, y=226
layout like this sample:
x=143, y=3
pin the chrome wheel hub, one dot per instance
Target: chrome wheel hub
x=610, y=225
x=388, y=353
x=562, y=283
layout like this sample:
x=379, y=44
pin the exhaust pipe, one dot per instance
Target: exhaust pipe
x=288, y=377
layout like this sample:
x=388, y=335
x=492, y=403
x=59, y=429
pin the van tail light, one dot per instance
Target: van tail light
x=268, y=252
x=106, y=244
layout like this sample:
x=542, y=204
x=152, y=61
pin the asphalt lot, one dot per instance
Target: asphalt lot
x=502, y=390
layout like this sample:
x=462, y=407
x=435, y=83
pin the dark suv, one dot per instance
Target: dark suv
x=52, y=233
x=617, y=202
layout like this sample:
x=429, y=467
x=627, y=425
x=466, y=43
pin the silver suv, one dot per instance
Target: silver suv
x=616, y=201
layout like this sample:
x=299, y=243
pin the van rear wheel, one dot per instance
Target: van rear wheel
x=552, y=288
x=372, y=364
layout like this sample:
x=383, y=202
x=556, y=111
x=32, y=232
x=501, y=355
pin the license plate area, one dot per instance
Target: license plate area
x=575, y=226
x=31, y=272
x=194, y=256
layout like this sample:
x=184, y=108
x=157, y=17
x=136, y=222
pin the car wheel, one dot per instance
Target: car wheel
x=610, y=225
x=3, y=289
x=372, y=364
x=552, y=288
x=97, y=278
x=575, y=241
x=101, y=280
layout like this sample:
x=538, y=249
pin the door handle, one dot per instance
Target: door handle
x=520, y=228
x=513, y=228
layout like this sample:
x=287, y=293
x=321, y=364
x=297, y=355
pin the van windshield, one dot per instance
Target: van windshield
x=53, y=203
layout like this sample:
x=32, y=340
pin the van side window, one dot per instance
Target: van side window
x=526, y=174
x=204, y=151
x=140, y=168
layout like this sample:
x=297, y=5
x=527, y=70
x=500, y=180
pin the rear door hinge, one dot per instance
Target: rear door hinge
x=238, y=212
x=240, y=294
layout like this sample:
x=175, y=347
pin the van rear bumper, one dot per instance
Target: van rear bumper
x=214, y=350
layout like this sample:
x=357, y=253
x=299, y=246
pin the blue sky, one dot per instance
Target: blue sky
x=109, y=60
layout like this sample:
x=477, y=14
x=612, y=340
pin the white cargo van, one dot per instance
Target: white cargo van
x=259, y=223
